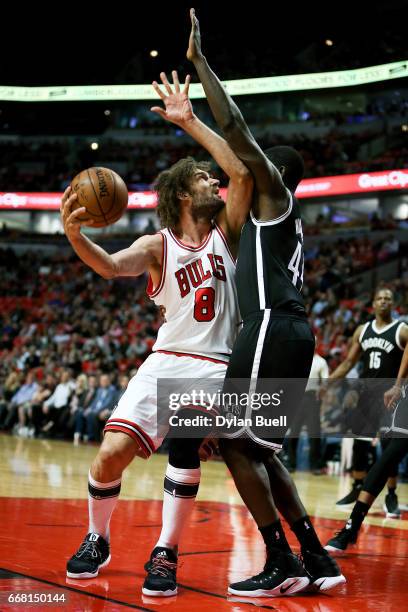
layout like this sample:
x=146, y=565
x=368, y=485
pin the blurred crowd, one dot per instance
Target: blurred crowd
x=332, y=139
x=50, y=166
x=70, y=340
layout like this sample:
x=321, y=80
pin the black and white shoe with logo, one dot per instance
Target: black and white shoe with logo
x=93, y=554
x=161, y=573
x=391, y=507
x=324, y=572
x=351, y=497
x=342, y=538
x=283, y=574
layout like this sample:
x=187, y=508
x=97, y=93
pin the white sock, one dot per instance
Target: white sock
x=102, y=498
x=180, y=490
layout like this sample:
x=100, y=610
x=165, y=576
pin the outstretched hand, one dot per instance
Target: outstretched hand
x=194, y=44
x=178, y=108
x=392, y=397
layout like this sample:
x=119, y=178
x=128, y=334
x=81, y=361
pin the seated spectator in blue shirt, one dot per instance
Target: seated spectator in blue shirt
x=105, y=399
x=24, y=395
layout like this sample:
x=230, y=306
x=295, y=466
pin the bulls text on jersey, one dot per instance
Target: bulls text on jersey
x=197, y=272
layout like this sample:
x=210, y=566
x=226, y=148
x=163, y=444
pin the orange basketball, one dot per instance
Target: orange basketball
x=103, y=193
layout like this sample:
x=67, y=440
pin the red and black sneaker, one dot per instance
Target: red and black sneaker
x=161, y=573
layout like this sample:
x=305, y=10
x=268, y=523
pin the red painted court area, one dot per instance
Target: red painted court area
x=221, y=545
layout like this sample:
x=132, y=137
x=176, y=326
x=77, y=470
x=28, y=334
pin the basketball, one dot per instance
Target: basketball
x=103, y=193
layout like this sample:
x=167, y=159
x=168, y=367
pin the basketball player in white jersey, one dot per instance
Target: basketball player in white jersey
x=191, y=274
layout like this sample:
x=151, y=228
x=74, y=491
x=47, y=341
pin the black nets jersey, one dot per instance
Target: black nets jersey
x=382, y=350
x=269, y=272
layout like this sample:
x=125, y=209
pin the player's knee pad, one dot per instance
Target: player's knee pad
x=184, y=452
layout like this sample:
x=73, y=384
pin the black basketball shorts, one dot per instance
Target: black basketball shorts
x=399, y=421
x=270, y=363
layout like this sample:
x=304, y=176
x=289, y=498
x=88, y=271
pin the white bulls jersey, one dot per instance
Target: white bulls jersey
x=197, y=289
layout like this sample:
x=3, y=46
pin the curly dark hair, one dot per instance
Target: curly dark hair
x=170, y=183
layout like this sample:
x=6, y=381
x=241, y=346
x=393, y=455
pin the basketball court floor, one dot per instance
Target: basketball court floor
x=43, y=514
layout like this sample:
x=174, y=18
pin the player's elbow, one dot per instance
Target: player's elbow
x=231, y=122
x=107, y=274
x=243, y=175
x=242, y=179
x=110, y=272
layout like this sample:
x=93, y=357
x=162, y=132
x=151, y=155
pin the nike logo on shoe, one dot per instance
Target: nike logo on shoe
x=283, y=589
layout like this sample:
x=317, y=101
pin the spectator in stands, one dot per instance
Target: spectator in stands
x=34, y=413
x=104, y=414
x=81, y=400
x=56, y=406
x=77, y=400
x=24, y=395
x=8, y=389
x=29, y=359
x=104, y=399
x=309, y=415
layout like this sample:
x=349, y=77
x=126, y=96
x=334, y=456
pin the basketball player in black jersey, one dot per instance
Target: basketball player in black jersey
x=276, y=342
x=395, y=399
x=379, y=345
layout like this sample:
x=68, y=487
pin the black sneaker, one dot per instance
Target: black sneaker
x=93, y=554
x=324, y=572
x=342, y=538
x=283, y=574
x=161, y=573
x=391, y=506
x=351, y=497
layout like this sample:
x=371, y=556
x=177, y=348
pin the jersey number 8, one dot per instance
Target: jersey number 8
x=204, y=304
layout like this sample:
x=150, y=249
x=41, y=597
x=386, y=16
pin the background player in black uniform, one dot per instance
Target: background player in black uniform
x=379, y=344
x=395, y=399
x=276, y=342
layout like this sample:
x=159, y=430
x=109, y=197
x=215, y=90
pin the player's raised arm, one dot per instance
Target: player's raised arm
x=179, y=110
x=143, y=255
x=268, y=180
x=352, y=357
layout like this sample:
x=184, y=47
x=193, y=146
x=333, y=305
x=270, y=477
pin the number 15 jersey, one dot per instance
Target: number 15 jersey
x=197, y=289
x=382, y=350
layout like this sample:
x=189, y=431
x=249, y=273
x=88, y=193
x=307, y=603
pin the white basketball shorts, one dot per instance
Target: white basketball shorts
x=136, y=412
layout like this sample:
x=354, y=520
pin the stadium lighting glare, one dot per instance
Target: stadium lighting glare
x=237, y=87
x=94, y=146
x=328, y=42
x=154, y=53
x=404, y=127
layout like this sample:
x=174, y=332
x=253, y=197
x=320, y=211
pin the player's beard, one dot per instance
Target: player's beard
x=205, y=206
x=384, y=311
